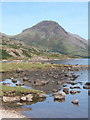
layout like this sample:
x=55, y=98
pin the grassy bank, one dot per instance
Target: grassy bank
x=26, y=66
x=17, y=90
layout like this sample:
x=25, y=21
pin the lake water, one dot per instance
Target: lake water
x=54, y=109
x=71, y=61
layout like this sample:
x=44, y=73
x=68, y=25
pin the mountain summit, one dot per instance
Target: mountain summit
x=49, y=35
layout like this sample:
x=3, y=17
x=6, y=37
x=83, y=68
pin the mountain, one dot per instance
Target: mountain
x=50, y=36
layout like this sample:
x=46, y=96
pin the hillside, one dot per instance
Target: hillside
x=14, y=49
x=50, y=36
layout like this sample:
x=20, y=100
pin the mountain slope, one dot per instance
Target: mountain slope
x=49, y=35
x=14, y=49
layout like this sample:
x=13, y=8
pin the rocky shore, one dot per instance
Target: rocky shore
x=53, y=80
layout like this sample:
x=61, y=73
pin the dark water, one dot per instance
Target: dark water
x=54, y=109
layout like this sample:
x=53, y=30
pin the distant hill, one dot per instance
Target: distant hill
x=50, y=36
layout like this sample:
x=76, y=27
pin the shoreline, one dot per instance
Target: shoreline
x=7, y=113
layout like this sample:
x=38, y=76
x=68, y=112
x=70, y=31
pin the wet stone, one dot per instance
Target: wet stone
x=75, y=101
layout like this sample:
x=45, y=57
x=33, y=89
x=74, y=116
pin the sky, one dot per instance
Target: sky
x=72, y=16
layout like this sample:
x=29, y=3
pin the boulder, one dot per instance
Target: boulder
x=59, y=95
x=25, y=79
x=11, y=99
x=86, y=86
x=78, y=91
x=29, y=98
x=66, y=90
x=87, y=83
x=54, y=90
x=23, y=99
x=73, y=92
x=42, y=95
x=64, y=85
x=77, y=87
x=14, y=80
x=19, y=84
x=75, y=101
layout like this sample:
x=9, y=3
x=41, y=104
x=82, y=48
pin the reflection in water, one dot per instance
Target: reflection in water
x=60, y=101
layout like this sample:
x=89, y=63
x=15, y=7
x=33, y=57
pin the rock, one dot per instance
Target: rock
x=54, y=90
x=75, y=101
x=73, y=92
x=86, y=87
x=77, y=87
x=23, y=99
x=71, y=82
x=41, y=82
x=78, y=91
x=59, y=83
x=42, y=95
x=19, y=84
x=14, y=80
x=19, y=70
x=11, y=99
x=59, y=95
x=66, y=90
x=87, y=83
x=71, y=87
x=64, y=85
x=29, y=98
x=25, y=79
x=29, y=81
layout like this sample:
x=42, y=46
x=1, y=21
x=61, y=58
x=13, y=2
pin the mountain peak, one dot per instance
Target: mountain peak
x=45, y=25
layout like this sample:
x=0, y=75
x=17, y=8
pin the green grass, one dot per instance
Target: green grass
x=27, y=66
x=26, y=53
x=17, y=90
x=4, y=54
